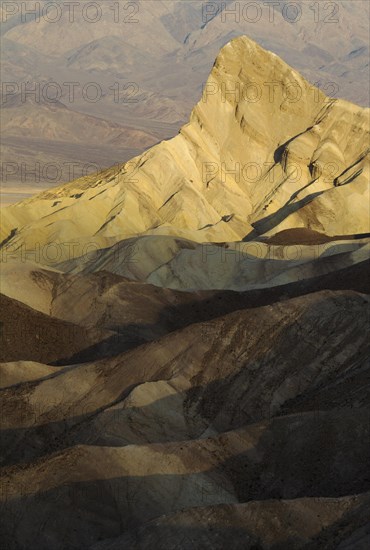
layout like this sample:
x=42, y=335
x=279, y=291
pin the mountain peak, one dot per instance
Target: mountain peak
x=264, y=151
x=256, y=82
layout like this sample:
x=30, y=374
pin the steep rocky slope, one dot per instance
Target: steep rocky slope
x=149, y=60
x=251, y=167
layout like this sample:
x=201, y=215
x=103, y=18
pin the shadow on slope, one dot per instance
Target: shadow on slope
x=217, y=304
x=27, y=334
x=297, y=456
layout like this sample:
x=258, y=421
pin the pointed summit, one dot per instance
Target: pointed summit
x=264, y=151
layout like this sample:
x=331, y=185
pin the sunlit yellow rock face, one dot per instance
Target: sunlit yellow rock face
x=264, y=151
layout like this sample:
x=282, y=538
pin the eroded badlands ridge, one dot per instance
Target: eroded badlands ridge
x=264, y=151
x=185, y=339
